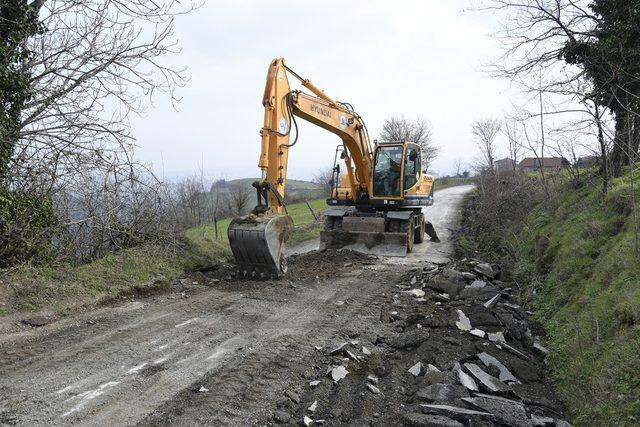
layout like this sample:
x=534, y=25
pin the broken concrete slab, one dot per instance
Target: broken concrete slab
x=489, y=360
x=314, y=384
x=313, y=406
x=431, y=368
x=463, y=323
x=490, y=383
x=457, y=413
x=466, y=380
x=441, y=393
x=507, y=411
x=338, y=350
x=308, y=422
x=492, y=302
x=418, y=293
x=496, y=337
x=366, y=351
x=478, y=333
x=416, y=369
x=442, y=284
x=477, y=284
x=427, y=420
x=485, y=269
x=372, y=379
x=338, y=373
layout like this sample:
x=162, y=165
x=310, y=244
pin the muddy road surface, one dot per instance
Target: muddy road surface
x=213, y=350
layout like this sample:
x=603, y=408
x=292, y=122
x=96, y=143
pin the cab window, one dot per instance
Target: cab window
x=386, y=173
x=411, y=167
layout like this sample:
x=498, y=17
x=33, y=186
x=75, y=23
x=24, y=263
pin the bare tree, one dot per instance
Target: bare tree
x=418, y=131
x=457, y=167
x=485, y=132
x=514, y=139
x=238, y=199
x=324, y=178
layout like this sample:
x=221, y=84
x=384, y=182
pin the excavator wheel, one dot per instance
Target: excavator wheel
x=258, y=244
x=419, y=234
x=407, y=227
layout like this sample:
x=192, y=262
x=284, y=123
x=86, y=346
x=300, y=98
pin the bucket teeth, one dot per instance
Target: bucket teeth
x=258, y=243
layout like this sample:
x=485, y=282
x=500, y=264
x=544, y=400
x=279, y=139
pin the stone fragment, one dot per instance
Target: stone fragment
x=506, y=411
x=413, y=280
x=314, y=384
x=492, y=302
x=467, y=275
x=352, y=356
x=418, y=293
x=431, y=368
x=372, y=379
x=366, y=351
x=373, y=389
x=489, y=382
x=537, y=421
x=489, y=360
x=540, y=348
x=496, y=337
x=477, y=284
x=460, y=414
x=203, y=389
x=338, y=373
x=281, y=417
x=441, y=393
x=463, y=323
x=477, y=332
x=515, y=351
x=445, y=285
x=338, y=350
x=485, y=269
x=416, y=369
x=313, y=406
x=466, y=380
x=307, y=421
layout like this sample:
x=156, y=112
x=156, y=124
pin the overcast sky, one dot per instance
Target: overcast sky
x=411, y=58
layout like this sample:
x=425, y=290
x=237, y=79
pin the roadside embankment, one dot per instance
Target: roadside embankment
x=575, y=254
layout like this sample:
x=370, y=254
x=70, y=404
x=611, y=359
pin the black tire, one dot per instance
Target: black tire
x=407, y=227
x=329, y=223
x=419, y=233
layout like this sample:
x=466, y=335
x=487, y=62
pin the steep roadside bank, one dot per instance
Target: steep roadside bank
x=576, y=263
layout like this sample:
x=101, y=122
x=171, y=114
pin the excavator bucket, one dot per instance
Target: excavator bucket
x=258, y=243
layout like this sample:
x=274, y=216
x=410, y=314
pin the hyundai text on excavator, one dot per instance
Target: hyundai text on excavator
x=375, y=205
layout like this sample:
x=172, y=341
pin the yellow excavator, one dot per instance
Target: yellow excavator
x=375, y=205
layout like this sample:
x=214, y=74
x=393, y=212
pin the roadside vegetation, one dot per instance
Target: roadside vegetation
x=141, y=268
x=576, y=255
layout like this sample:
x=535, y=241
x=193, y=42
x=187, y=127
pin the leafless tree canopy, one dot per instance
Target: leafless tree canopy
x=485, y=132
x=418, y=131
x=324, y=179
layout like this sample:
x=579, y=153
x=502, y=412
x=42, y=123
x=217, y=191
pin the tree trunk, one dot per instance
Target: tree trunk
x=619, y=156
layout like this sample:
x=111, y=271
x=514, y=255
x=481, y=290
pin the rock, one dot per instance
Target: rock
x=477, y=284
x=366, y=351
x=496, y=337
x=454, y=412
x=477, y=332
x=425, y=420
x=338, y=373
x=431, y=368
x=485, y=269
x=542, y=421
x=492, y=384
x=434, y=378
x=281, y=417
x=441, y=393
x=338, y=350
x=441, y=297
x=372, y=379
x=314, y=384
x=373, y=389
x=416, y=369
x=525, y=371
x=36, y=321
x=293, y=396
x=507, y=411
x=307, y=421
x=442, y=284
x=466, y=380
x=463, y=323
x=489, y=360
x=540, y=348
x=203, y=389
x=352, y=356
x=492, y=302
x=418, y=293
x=467, y=275
x=313, y=406
x=481, y=316
x=515, y=351
x=413, y=280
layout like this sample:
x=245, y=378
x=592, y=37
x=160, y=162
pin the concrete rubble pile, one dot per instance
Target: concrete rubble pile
x=446, y=346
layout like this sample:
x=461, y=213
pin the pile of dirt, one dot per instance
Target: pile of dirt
x=450, y=347
x=328, y=263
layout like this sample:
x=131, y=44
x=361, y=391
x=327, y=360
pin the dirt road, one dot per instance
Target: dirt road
x=218, y=352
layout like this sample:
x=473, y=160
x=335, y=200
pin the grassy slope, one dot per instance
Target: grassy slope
x=55, y=287
x=582, y=259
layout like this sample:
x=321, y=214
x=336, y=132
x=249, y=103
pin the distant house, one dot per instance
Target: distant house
x=505, y=164
x=588, y=161
x=533, y=164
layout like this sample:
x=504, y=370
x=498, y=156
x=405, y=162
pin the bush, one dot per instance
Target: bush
x=27, y=226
